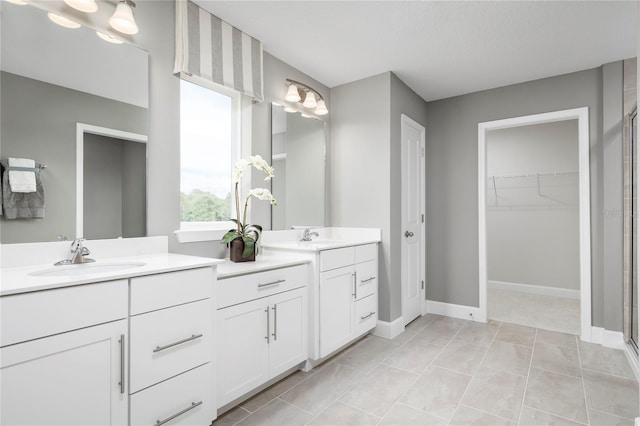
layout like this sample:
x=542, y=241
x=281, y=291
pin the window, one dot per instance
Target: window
x=208, y=150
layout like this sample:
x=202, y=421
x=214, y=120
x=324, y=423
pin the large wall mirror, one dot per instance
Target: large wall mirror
x=58, y=86
x=298, y=157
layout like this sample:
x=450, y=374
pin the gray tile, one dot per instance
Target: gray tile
x=368, y=353
x=272, y=392
x=231, y=417
x=414, y=328
x=470, y=416
x=339, y=413
x=415, y=355
x=532, y=417
x=556, y=338
x=380, y=389
x=320, y=390
x=518, y=334
x=277, y=413
x=460, y=356
x=478, y=333
x=508, y=357
x=605, y=360
x=437, y=391
x=496, y=392
x=440, y=331
x=611, y=394
x=557, y=394
x=599, y=418
x=403, y=415
x=556, y=358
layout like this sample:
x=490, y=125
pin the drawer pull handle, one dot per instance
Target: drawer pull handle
x=367, y=316
x=186, y=410
x=122, y=360
x=276, y=282
x=179, y=342
x=367, y=280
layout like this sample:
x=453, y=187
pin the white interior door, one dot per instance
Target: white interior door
x=412, y=252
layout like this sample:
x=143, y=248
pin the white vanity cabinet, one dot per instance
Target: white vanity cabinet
x=171, y=351
x=64, y=358
x=262, y=328
x=347, y=295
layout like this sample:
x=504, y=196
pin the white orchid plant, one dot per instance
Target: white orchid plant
x=247, y=232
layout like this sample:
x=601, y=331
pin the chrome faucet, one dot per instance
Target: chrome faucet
x=307, y=234
x=78, y=252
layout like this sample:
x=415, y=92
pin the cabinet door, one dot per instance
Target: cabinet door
x=288, y=343
x=243, y=349
x=336, y=308
x=68, y=379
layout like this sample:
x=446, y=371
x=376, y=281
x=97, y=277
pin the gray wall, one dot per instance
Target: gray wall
x=452, y=181
x=365, y=168
x=39, y=121
x=533, y=225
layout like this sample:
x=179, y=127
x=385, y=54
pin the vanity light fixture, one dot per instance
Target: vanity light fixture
x=108, y=38
x=87, y=6
x=310, y=98
x=62, y=21
x=122, y=19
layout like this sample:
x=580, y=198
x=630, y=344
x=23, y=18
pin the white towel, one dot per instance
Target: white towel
x=21, y=180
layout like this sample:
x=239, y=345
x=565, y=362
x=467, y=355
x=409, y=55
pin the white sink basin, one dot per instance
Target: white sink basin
x=86, y=269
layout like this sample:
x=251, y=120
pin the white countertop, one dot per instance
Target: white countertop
x=315, y=246
x=325, y=239
x=18, y=279
x=263, y=262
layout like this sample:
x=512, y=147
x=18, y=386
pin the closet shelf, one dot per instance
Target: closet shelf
x=533, y=191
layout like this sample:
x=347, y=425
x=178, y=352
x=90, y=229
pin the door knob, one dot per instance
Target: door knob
x=408, y=234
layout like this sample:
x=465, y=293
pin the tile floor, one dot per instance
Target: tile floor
x=446, y=371
x=534, y=310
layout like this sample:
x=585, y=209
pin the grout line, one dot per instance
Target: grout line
x=584, y=388
x=485, y=412
x=526, y=382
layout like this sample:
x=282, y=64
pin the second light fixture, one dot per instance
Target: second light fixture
x=308, y=96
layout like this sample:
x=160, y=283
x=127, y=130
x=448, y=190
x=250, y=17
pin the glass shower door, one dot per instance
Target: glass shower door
x=635, y=335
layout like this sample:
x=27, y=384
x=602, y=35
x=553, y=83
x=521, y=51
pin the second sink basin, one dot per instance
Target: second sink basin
x=86, y=269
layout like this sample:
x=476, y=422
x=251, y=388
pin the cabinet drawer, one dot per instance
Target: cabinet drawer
x=189, y=397
x=366, y=252
x=170, y=289
x=170, y=341
x=32, y=315
x=366, y=313
x=366, y=279
x=234, y=290
x=336, y=258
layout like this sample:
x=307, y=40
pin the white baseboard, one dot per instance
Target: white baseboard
x=607, y=338
x=389, y=330
x=470, y=313
x=534, y=289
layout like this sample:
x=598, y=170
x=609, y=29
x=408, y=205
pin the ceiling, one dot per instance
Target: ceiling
x=439, y=48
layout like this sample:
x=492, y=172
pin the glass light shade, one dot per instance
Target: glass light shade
x=62, y=21
x=20, y=2
x=305, y=115
x=108, y=38
x=321, y=108
x=292, y=94
x=310, y=100
x=289, y=109
x=122, y=19
x=87, y=6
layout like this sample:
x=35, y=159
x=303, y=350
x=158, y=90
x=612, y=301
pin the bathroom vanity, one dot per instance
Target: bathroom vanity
x=343, y=291
x=124, y=340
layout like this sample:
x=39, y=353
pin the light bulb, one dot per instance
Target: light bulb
x=108, y=38
x=88, y=6
x=62, y=21
x=310, y=100
x=122, y=19
x=321, y=109
x=292, y=94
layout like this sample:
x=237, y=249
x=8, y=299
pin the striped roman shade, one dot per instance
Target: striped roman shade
x=210, y=49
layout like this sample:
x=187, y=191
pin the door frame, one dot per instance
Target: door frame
x=582, y=115
x=406, y=120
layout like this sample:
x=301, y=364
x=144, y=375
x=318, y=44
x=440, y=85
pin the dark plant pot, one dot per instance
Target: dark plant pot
x=236, y=247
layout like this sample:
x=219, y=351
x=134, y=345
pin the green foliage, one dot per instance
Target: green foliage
x=202, y=206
